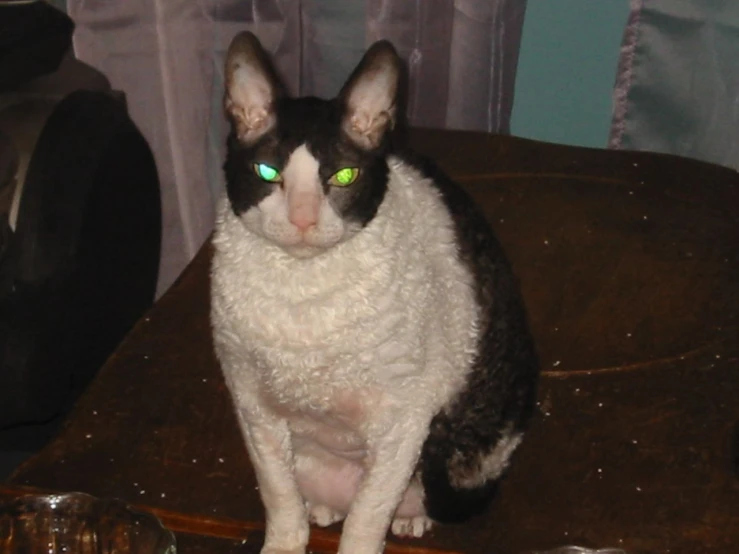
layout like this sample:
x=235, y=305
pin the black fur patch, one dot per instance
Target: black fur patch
x=501, y=390
x=317, y=124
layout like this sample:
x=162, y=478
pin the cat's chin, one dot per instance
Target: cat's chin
x=304, y=251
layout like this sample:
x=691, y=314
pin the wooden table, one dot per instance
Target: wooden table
x=629, y=264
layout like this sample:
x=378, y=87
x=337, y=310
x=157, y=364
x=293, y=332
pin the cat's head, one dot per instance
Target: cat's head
x=305, y=173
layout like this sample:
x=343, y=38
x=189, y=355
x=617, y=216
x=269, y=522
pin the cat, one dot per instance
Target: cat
x=367, y=322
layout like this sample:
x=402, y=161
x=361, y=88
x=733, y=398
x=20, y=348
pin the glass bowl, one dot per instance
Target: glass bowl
x=77, y=523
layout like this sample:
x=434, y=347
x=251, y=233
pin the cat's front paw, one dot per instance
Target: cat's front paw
x=413, y=527
x=269, y=550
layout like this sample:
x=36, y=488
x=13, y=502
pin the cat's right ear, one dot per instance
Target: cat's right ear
x=370, y=96
x=252, y=87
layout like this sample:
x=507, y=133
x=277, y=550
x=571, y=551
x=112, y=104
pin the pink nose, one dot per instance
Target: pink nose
x=303, y=223
x=303, y=210
x=303, y=217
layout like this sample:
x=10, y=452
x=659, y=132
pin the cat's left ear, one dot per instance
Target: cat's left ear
x=252, y=87
x=369, y=96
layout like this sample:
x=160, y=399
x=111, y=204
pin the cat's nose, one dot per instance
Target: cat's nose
x=303, y=209
x=303, y=224
x=304, y=217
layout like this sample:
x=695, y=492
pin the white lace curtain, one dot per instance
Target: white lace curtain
x=166, y=55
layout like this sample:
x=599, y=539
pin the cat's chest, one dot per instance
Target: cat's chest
x=337, y=422
x=318, y=328
x=308, y=353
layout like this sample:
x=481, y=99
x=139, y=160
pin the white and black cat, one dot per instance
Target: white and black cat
x=367, y=322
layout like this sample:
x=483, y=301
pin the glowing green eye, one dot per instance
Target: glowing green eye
x=267, y=173
x=344, y=177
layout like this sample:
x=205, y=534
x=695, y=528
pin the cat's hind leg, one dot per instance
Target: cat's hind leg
x=460, y=482
x=410, y=518
x=411, y=527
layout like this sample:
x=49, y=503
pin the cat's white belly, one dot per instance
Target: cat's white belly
x=329, y=452
x=326, y=479
x=330, y=460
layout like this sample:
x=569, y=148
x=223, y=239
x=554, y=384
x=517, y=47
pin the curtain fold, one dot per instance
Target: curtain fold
x=167, y=56
x=677, y=89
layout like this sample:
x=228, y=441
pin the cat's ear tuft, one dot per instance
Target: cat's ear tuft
x=370, y=94
x=252, y=87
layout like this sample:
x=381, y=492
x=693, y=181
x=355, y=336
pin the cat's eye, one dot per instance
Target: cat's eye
x=344, y=177
x=267, y=173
